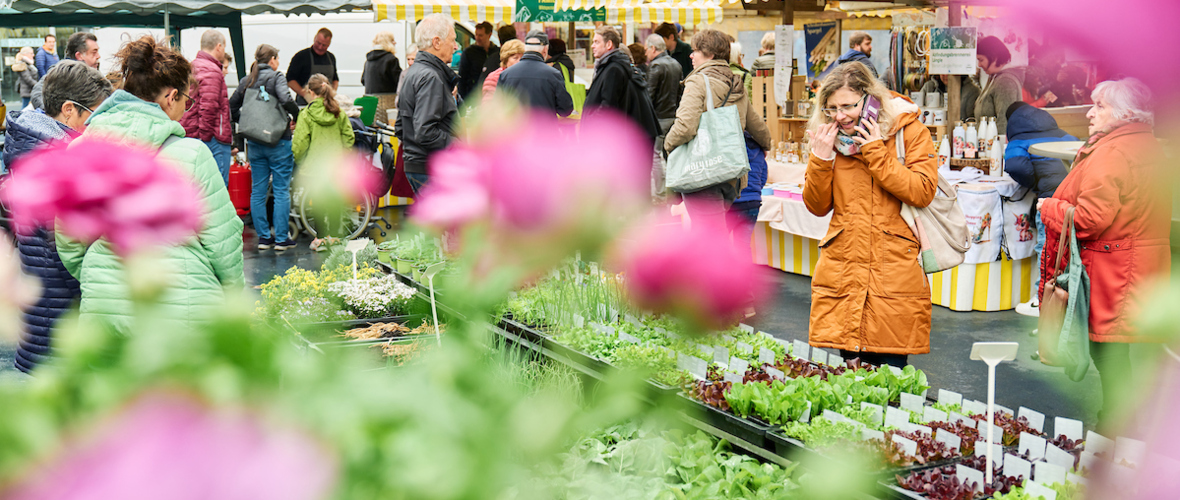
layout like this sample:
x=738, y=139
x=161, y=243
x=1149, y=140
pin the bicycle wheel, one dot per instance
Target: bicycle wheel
x=347, y=225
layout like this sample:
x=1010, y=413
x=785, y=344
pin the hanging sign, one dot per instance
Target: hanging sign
x=545, y=11
x=784, y=54
x=952, y=51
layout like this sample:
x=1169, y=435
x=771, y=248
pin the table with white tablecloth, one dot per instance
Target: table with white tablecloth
x=787, y=236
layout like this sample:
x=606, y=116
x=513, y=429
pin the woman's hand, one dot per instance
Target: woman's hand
x=823, y=141
x=870, y=132
x=1040, y=202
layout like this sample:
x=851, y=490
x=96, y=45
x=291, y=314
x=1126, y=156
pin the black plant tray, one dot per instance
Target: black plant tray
x=741, y=428
x=794, y=449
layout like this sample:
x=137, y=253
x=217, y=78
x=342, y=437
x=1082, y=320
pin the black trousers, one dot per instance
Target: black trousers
x=878, y=358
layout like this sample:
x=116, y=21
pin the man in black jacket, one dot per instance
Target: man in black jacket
x=537, y=84
x=426, y=108
x=471, y=63
x=663, y=81
x=618, y=85
x=679, y=50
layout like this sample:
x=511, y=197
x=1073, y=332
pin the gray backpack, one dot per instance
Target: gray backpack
x=262, y=119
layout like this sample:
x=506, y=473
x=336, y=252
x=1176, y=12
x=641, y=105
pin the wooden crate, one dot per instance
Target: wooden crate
x=1072, y=119
x=763, y=99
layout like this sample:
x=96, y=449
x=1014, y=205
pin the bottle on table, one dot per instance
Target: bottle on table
x=959, y=139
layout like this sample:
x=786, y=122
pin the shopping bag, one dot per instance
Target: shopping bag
x=940, y=227
x=399, y=183
x=1064, y=324
x=263, y=119
x=577, y=91
x=716, y=155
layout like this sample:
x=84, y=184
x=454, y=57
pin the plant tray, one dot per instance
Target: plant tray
x=328, y=331
x=794, y=449
x=741, y=428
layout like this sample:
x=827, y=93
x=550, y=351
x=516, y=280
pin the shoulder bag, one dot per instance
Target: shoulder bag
x=940, y=227
x=1064, y=325
x=717, y=154
x=262, y=119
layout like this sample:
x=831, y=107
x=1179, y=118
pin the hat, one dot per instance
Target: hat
x=536, y=37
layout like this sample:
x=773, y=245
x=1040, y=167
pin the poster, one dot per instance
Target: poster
x=545, y=11
x=952, y=51
x=784, y=50
x=823, y=47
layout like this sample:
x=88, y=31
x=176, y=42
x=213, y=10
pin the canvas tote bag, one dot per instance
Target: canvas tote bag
x=1064, y=326
x=717, y=154
x=263, y=119
x=940, y=227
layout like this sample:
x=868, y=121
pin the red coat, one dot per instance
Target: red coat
x=209, y=116
x=1123, y=206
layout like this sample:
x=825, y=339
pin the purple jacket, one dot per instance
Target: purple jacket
x=209, y=116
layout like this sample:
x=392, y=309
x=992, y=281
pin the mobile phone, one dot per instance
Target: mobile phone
x=871, y=110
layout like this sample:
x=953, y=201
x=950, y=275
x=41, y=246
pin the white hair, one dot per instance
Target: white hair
x=1129, y=100
x=433, y=26
x=735, y=52
x=210, y=39
x=655, y=41
x=768, y=41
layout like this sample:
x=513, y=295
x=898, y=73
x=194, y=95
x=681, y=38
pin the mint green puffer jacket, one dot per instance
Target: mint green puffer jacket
x=199, y=270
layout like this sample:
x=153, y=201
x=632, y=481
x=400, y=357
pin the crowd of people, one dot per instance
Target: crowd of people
x=870, y=296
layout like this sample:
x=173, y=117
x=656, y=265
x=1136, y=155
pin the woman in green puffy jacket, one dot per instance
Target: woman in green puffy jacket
x=146, y=112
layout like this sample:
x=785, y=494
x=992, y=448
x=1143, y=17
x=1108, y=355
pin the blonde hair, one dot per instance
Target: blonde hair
x=320, y=86
x=25, y=50
x=857, y=78
x=768, y=41
x=386, y=41
x=1129, y=100
x=510, y=48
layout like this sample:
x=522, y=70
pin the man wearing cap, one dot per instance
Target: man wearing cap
x=537, y=84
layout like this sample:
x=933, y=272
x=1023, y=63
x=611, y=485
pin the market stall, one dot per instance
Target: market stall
x=999, y=271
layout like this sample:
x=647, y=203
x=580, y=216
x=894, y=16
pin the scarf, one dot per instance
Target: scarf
x=845, y=145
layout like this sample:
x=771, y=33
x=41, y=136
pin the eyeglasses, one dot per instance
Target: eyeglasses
x=188, y=104
x=80, y=105
x=846, y=109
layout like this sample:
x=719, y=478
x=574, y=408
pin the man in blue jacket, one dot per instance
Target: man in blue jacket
x=537, y=84
x=46, y=56
x=860, y=47
x=1027, y=126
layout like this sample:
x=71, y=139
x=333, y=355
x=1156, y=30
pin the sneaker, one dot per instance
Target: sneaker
x=283, y=246
x=266, y=243
x=1030, y=308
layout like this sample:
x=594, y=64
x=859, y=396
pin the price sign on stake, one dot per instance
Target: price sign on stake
x=992, y=353
x=969, y=475
x=1047, y=473
x=721, y=355
x=1068, y=427
x=765, y=356
x=897, y=418
x=1059, y=457
x=922, y=429
x=878, y=413
x=955, y=417
x=835, y=360
x=1015, y=466
x=932, y=414
x=972, y=407
x=1096, y=443
x=950, y=397
x=800, y=349
x=732, y=378
x=744, y=348
x=997, y=450
x=1036, y=419
x=579, y=321
x=745, y=328
x=633, y=320
x=776, y=373
x=1033, y=445
x=1037, y=490
x=626, y=337
x=908, y=446
x=950, y=439
x=819, y=356
x=912, y=402
x=738, y=365
x=867, y=434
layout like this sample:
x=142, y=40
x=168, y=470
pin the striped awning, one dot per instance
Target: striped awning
x=683, y=13
x=494, y=11
x=587, y=4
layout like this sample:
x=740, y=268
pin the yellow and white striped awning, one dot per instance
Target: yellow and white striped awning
x=586, y=4
x=494, y=11
x=683, y=13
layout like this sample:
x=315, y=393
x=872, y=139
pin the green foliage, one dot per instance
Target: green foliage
x=1067, y=491
x=821, y=432
x=783, y=401
x=339, y=257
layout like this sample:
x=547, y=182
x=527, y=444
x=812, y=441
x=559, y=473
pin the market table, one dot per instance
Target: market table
x=786, y=237
x=1063, y=150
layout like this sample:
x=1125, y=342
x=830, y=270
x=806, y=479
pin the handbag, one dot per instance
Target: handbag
x=1063, y=336
x=399, y=183
x=577, y=91
x=716, y=155
x=263, y=119
x=940, y=227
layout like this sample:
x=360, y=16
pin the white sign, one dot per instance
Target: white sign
x=1036, y=490
x=738, y=365
x=765, y=356
x=952, y=51
x=819, y=356
x=1047, y=473
x=897, y=418
x=784, y=53
x=1036, y=419
x=800, y=349
x=950, y=398
x=776, y=373
x=907, y=446
x=1015, y=466
x=878, y=414
x=912, y=402
x=932, y=414
x=950, y=439
x=1033, y=445
x=969, y=475
x=1068, y=427
x=1062, y=458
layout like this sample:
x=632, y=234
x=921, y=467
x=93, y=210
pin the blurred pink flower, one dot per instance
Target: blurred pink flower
x=696, y=273
x=169, y=446
x=539, y=177
x=102, y=190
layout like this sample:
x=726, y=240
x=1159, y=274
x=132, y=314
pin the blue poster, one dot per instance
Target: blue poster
x=823, y=47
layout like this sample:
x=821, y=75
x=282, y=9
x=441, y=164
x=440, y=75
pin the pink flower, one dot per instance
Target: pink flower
x=102, y=190
x=168, y=446
x=338, y=179
x=538, y=177
x=695, y=273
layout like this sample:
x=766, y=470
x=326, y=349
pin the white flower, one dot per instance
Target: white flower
x=373, y=297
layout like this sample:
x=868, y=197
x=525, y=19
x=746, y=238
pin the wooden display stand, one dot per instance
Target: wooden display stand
x=782, y=128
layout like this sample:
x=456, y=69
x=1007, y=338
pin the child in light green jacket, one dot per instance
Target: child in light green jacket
x=322, y=124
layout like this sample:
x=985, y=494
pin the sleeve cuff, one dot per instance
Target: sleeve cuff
x=826, y=160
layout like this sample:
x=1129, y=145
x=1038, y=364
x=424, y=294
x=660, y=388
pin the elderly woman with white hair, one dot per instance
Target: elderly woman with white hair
x=1122, y=216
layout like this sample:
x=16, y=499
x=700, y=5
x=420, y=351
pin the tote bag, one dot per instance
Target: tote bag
x=717, y=154
x=262, y=119
x=1064, y=326
x=577, y=91
x=940, y=227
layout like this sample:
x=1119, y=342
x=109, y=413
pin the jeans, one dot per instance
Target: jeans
x=221, y=155
x=741, y=225
x=271, y=166
x=416, y=181
x=24, y=102
x=1040, y=246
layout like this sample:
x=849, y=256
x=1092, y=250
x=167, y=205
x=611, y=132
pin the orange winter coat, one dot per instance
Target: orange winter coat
x=869, y=292
x=1121, y=191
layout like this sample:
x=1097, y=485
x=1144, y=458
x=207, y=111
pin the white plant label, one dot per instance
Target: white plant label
x=1088, y=461
x=1015, y=466
x=955, y=417
x=1047, y=473
x=997, y=451
x=922, y=429
x=1059, y=457
x=932, y=414
x=1038, y=490
x=721, y=355
x=1036, y=419
x=997, y=432
x=765, y=356
x=745, y=328
x=1068, y=427
x=732, y=378
x=776, y=373
x=834, y=417
x=1129, y=450
x=1034, y=445
x=1074, y=478
x=806, y=417
x=970, y=406
x=969, y=475
x=579, y=321
x=950, y=439
x=908, y=446
x=867, y=434
x=744, y=348
x=912, y=402
x=819, y=356
x=800, y=349
x=626, y=337
x=835, y=360
x=634, y=321
x=878, y=413
x=738, y=365
x=1002, y=409
x=897, y=418
x=950, y=397
x=1096, y=443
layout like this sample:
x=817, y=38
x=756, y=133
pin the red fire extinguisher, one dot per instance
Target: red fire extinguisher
x=240, y=184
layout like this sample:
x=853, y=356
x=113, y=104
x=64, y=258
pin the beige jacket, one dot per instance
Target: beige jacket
x=692, y=105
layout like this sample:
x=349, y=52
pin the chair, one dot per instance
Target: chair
x=368, y=105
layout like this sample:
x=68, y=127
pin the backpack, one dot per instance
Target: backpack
x=940, y=227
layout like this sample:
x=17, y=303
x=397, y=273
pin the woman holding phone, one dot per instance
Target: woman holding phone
x=869, y=296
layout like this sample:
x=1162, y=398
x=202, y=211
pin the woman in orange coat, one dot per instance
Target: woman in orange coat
x=869, y=296
x=1122, y=216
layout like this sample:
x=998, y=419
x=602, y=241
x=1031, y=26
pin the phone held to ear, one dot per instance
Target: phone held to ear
x=872, y=110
